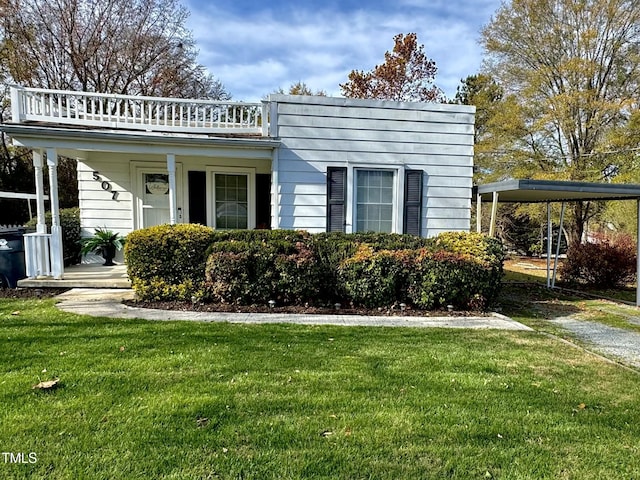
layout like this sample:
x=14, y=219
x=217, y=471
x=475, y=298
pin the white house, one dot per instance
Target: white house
x=292, y=162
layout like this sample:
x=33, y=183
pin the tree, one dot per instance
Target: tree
x=406, y=75
x=301, y=88
x=572, y=71
x=137, y=47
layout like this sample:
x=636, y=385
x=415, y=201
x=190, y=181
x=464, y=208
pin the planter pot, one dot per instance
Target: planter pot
x=108, y=253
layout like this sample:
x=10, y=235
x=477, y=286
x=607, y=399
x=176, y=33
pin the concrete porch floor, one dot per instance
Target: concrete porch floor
x=90, y=275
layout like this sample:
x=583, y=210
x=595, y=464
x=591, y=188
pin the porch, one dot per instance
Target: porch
x=90, y=275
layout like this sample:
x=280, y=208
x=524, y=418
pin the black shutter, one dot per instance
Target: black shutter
x=413, y=202
x=336, y=198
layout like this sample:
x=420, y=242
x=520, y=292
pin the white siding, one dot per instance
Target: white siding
x=318, y=132
x=99, y=209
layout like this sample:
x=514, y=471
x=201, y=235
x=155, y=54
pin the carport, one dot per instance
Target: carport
x=552, y=191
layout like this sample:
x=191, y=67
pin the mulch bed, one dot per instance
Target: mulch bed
x=396, y=310
x=31, y=292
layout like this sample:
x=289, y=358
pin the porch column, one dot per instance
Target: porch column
x=275, y=197
x=494, y=214
x=171, y=168
x=41, y=226
x=478, y=213
x=57, y=257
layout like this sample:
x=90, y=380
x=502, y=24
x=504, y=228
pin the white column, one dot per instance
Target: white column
x=41, y=226
x=173, y=207
x=494, y=214
x=478, y=213
x=57, y=257
x=275, y=195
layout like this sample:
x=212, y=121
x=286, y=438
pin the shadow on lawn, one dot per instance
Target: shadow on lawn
x=533, y=299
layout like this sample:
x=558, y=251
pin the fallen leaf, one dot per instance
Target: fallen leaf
x=582, y=406
x=202, y=422
x=122, y=349
x=46, y=385
x=347, y=432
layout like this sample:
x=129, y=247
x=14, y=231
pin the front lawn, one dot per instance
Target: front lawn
x=184, y=400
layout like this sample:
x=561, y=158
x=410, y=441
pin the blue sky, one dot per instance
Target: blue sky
x=256, y=47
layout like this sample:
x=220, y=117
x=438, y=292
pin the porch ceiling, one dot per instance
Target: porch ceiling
x=536, y=191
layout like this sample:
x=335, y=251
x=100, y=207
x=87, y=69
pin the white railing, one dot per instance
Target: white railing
x=37, y=254
x=137, y=112
x=43, y=254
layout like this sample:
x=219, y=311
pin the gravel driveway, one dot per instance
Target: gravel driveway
x=615, y=342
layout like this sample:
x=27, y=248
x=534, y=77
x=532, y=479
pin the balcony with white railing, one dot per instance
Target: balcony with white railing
x=129, y=112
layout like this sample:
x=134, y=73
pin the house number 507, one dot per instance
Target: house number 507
x=106, y=186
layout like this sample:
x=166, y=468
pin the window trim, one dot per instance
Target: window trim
x=398, y=190
x=250, y=173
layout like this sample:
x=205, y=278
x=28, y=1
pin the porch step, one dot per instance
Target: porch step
x=83, y=276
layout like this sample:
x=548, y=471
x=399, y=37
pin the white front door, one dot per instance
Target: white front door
x=153, y=196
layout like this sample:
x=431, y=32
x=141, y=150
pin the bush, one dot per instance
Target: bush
x=293, y=267
x=332, y=249
x=611, y=262
x=274, y=265
x=167, y=262
x=376, y=278
x=70, y=223
x=447, y=278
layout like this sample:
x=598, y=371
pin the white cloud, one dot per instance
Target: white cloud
x=254, y=53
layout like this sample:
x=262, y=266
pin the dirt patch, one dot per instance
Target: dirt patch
x=31, y=292
x=395, y=310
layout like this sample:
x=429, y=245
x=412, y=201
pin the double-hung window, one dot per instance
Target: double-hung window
x=371, y=200
x=230, y=198
x=374, y=200
x=231, y=201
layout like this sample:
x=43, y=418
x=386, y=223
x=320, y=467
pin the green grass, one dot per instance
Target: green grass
x=192, y=400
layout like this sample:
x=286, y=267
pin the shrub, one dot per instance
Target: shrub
x=611, y=262
x=266, y=265
x=446, y=278
x=294, y=267
x=167, y=262
x=70, y=223
x=332, y=249
x=376, y=278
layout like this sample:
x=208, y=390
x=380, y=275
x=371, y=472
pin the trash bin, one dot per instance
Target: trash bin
x=12, y=266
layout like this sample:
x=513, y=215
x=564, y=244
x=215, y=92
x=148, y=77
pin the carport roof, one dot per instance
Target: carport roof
x=535, y=191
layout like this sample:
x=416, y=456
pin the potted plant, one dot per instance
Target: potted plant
x=103, y=242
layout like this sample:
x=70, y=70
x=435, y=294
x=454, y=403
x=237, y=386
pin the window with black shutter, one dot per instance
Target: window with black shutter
x=413, y=202
x=336, y=198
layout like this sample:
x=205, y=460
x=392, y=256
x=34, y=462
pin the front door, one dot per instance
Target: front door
x=153, y=197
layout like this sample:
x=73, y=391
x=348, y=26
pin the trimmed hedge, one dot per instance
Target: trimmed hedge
x=166, y=262
x=275, y=265
x=70, y=223
x=294, y=267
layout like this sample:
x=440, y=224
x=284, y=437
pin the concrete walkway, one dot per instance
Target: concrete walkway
x=618, y=343
x=108, y=303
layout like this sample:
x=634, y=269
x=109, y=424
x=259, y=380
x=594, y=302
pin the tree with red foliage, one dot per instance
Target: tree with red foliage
x=406, y=75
